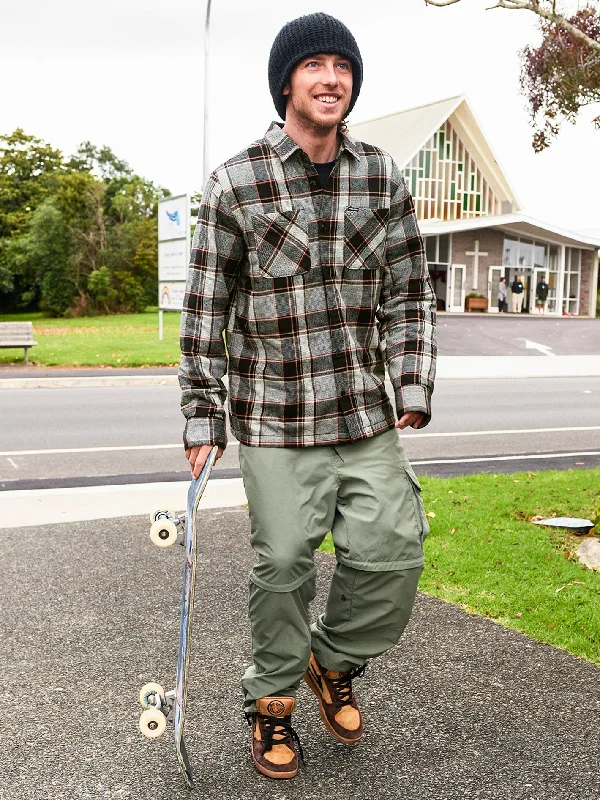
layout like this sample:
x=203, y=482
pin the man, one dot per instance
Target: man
x=502, y=292
x=541, y=295
x=308, y=254
x=516, y=288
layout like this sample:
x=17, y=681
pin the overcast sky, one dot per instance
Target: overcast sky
x=129, y=74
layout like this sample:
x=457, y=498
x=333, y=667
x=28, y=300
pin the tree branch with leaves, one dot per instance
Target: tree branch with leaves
x=562, y=75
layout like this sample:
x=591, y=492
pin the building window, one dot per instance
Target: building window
x=525, y=253
x=533, y=260
x=437, y=249
x=445, y=182
x=571, y=281
x=540, y=255
x=510, y=252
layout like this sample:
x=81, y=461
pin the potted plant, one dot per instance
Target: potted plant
x=476, y=302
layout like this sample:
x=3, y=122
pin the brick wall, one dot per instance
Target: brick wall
x=490, y=242
x=589, y=279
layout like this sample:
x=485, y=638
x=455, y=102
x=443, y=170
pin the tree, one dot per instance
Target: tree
x=43, y=256
x=94, y=207
x=28, y=169
x=562, y=75
x=100, y=161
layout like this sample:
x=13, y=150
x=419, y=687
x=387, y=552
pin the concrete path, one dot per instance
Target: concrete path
x=462, y=709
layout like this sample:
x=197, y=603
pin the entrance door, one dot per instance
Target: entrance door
x=494, y=275
x=457, y=287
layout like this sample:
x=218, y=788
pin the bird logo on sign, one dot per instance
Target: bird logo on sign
x=174, y=217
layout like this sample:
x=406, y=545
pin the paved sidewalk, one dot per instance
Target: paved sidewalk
x=462, y=709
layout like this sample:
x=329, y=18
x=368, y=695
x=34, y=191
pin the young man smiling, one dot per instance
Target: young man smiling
x=308, y=254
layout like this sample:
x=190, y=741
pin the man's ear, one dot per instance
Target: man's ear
x=286, y=89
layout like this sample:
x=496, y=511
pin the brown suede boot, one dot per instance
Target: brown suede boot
x=274, y=741
x=337, y=702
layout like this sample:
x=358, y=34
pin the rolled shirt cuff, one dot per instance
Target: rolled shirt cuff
x=205, y=430
x=413, y=397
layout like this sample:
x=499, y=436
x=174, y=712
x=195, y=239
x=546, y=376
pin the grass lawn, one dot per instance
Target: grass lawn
x=485, y=555
x=122, y=340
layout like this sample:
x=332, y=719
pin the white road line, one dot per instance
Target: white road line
x=528, y=457
x=448, y=434
x=500, y=433
x=10, y=461
x=91, y=450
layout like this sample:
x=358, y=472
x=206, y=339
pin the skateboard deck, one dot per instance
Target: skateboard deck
x=159, y=705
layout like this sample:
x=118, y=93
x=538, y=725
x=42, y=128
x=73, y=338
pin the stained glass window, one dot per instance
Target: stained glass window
x=445, y=181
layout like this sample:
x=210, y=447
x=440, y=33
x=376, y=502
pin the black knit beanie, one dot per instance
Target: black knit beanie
x=308, y=36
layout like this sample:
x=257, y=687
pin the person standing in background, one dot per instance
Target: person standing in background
x=502, y=292
x=517, y=290
x=541, y=295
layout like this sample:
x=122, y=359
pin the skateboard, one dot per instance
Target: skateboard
x=159, y=706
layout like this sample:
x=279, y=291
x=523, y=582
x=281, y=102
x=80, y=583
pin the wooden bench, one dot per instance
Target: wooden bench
x=17, y=334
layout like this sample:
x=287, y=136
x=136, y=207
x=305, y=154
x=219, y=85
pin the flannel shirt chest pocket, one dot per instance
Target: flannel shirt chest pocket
x=282, y=244
x=365, y=233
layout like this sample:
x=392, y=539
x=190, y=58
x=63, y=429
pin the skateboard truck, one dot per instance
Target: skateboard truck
x=167, y=527
x=158, y=709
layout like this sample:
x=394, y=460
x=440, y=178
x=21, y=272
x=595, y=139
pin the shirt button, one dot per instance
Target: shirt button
x=313, y=182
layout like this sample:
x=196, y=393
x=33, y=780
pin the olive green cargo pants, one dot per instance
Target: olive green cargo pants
x=368, y=496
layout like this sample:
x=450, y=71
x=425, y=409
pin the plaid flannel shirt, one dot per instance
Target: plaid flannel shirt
x=309, y=284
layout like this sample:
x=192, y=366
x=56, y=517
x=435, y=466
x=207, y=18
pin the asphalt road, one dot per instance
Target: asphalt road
x=462, y=709
x=507, y=335
x=472, y=419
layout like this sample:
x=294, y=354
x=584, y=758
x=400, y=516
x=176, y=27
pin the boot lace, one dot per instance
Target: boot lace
x=277, y=730
x=342, y=686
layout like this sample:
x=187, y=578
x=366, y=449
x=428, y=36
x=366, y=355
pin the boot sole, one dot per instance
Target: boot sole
x=314, y=689
x=272, y=773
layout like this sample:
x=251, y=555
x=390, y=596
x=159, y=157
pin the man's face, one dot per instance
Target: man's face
x=319, y=91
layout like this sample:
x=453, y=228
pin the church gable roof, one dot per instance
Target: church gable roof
x=405, y=133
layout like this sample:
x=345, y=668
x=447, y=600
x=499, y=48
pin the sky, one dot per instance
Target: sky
x=129, y=74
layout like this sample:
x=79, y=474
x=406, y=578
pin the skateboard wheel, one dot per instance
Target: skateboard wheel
x=163, y=532
x=152, y=723
x=162, y=513
x=146, y=693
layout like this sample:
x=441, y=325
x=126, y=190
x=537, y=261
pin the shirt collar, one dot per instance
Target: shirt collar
x=285, y=146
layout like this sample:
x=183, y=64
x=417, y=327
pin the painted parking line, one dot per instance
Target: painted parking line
x=445, y=434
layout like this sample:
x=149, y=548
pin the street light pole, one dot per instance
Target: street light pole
x=205, y=133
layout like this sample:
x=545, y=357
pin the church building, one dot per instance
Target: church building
x=473, y=225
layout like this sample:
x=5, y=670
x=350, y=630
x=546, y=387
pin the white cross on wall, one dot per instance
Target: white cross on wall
x=475, y=253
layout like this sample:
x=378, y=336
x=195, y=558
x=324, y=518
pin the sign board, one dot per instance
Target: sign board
x=170, y=295
x=173, y=251
x=173, y=258
x=174, y=218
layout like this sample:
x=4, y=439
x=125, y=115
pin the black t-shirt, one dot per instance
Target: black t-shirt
x=517, y=287
x=324, y=171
